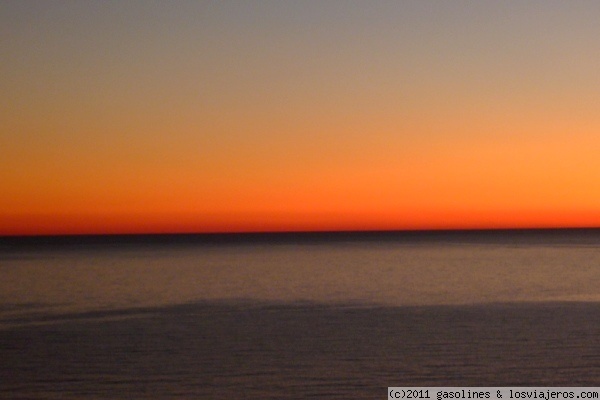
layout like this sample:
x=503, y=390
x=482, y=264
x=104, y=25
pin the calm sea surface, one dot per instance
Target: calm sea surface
x=317, y=317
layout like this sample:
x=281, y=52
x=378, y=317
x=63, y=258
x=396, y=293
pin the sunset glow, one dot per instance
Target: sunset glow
x=144, y=117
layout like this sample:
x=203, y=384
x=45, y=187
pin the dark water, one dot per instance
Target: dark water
x=339, y=320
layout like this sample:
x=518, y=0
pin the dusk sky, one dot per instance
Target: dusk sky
x=144, y=116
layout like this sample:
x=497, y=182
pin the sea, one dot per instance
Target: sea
x=297, y=315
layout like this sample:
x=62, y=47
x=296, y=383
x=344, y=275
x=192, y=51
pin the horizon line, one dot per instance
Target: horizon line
x=274, y=233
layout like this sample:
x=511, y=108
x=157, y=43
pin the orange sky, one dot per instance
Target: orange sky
x=212, y=117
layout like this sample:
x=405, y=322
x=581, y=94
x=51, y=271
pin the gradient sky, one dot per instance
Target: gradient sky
x=142, y=116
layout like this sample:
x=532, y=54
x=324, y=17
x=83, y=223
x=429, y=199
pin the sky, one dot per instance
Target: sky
x=234, y=116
